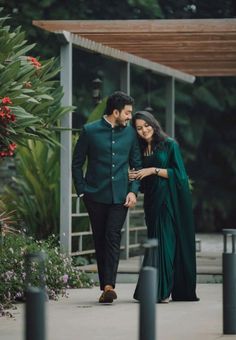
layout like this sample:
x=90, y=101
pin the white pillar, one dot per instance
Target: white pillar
x=125, y=87
x=66, y=150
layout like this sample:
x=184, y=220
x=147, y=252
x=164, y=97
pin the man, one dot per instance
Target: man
x=110, y=147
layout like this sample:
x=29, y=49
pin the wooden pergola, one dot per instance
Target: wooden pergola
x=201, y=47
x=179, y=50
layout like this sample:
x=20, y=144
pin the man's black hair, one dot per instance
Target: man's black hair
x=117, y=101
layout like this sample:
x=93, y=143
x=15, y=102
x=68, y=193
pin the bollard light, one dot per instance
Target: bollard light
x=148, y=291
x=35, y=300
x=229, y=282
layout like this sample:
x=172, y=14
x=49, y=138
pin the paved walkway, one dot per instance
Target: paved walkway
x=81, y=317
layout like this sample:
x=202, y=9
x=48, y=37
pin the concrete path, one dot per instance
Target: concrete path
x=81, y=317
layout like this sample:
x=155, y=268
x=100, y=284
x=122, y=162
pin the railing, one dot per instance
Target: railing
x=133, y=231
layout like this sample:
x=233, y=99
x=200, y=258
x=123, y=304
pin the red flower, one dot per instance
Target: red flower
x=6, y=115
x=32, y=59
x=7, y=150
x=6, y=109
x=6, y=100
x=12, y=146
x=35, y=62
x=13, y=117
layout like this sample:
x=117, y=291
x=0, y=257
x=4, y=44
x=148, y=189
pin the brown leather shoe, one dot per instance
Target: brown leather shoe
x=108, y=296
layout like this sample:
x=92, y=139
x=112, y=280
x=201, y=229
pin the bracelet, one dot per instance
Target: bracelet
x=157, y=171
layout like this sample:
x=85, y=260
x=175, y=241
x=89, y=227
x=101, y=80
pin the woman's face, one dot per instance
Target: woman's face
x=144, y=130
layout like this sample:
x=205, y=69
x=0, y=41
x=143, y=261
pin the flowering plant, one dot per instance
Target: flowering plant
x=7, y=118
x=60, y=273
x=30, y=95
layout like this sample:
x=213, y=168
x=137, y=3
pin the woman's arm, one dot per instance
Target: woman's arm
x=140, y=174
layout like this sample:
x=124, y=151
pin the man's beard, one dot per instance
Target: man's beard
x=122, y=124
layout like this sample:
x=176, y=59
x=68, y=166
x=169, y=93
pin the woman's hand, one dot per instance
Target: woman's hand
x=132, y=175
x=140, y=174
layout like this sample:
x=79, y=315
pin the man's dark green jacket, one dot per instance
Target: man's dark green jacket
x=109, y=152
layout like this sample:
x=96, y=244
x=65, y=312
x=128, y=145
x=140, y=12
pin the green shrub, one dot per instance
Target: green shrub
x=34, y=194
x=60, y=273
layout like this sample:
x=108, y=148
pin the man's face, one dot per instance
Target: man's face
x=124, y=116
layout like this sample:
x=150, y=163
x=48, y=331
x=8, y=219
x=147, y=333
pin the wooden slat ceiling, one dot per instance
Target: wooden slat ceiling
x=201, y=47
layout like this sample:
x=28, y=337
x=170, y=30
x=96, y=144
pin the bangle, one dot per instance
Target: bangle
x=157, y=171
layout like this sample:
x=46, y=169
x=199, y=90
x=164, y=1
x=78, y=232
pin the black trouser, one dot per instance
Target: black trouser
x=106, y=221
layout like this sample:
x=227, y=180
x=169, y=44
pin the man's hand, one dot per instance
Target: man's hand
x=131, y=200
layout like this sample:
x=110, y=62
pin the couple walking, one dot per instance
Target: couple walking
x=112, y=147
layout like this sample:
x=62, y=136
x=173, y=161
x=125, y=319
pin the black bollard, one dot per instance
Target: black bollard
x=229, y=283
x=148, y=293
x=35, y=301
x=35, y=314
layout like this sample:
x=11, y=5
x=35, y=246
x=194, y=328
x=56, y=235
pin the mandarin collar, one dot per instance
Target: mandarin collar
x=108, y=124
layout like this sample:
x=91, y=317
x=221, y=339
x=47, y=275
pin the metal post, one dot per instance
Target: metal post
x=125, y=238
x=125, y=78
x=229, y=283
x=148, y=293
x=35, y=301
x=170, y=106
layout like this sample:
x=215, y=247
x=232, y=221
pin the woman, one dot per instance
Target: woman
x=168, y=211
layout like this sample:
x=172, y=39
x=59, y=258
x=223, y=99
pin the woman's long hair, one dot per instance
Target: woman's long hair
x=158, y=136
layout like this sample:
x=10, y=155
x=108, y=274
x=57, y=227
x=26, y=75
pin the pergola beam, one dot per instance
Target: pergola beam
x=125, y=57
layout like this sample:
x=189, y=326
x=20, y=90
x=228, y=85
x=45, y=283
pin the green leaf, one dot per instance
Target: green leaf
x=24, y=50
x=9, y=73
x=205, y=96
x=98, y=111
